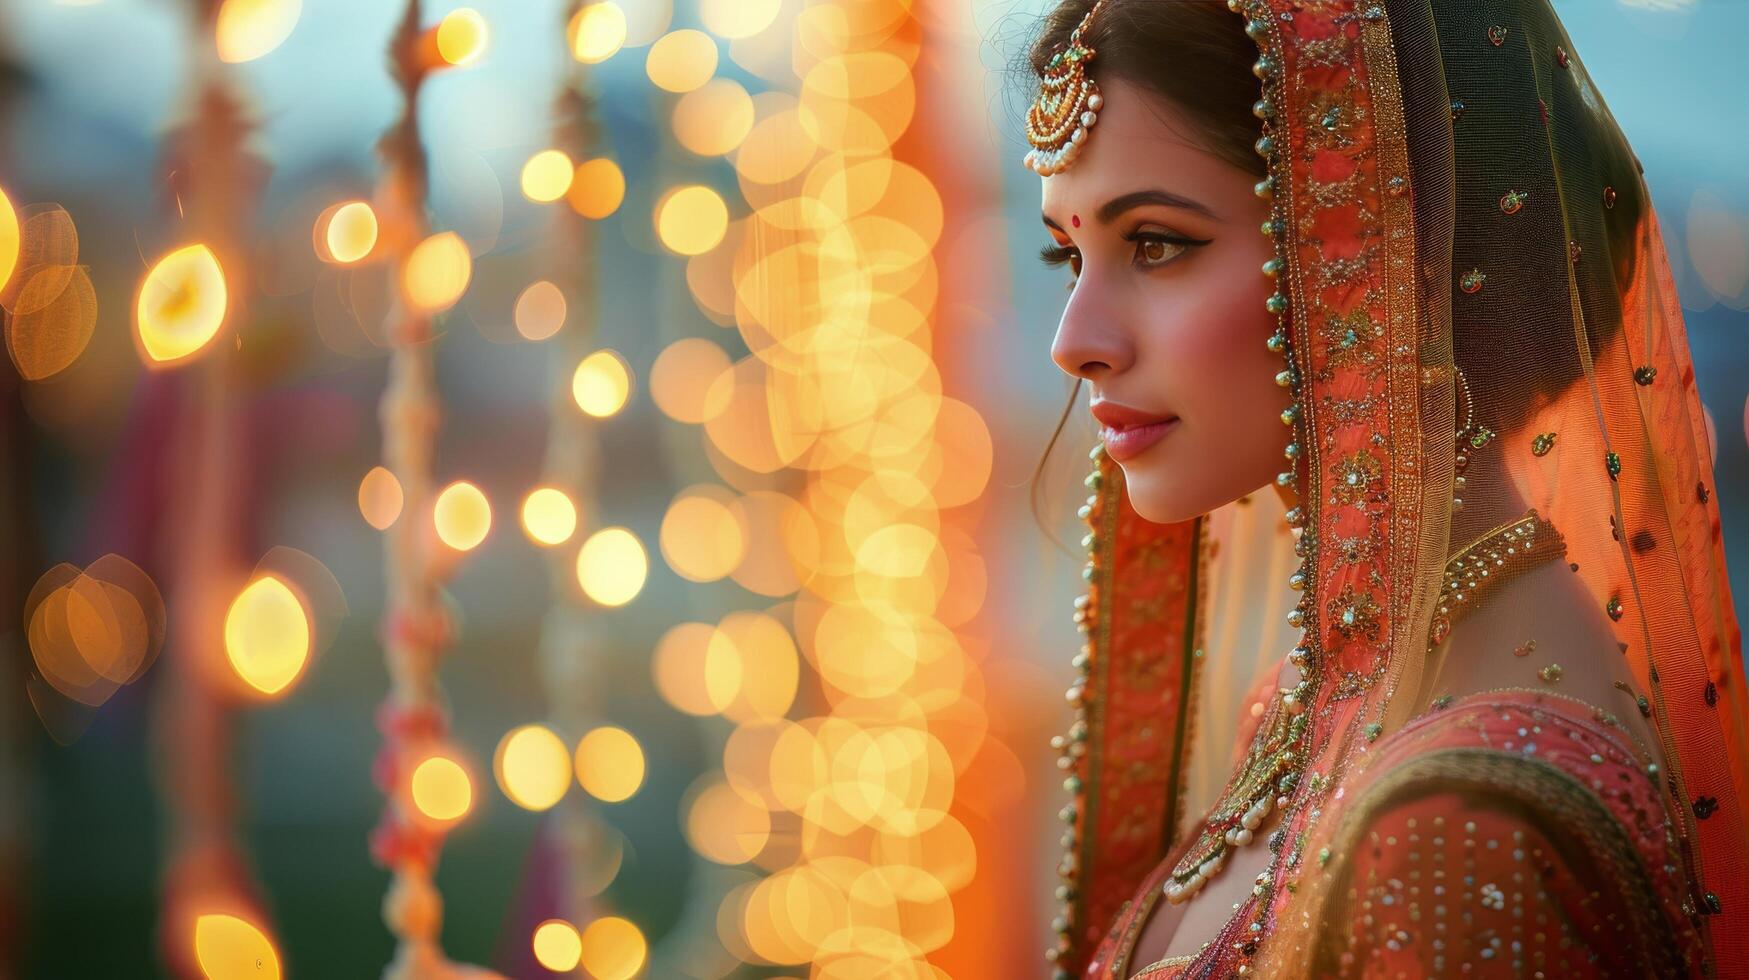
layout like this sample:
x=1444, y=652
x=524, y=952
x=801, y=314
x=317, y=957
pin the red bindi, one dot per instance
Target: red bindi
x=1075, y=220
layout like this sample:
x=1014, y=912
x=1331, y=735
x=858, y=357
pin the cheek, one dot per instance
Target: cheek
x=1213, y=343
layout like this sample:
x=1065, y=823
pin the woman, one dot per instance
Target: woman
x=1508, y=734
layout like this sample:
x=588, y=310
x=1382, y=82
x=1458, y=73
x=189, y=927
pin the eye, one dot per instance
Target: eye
x=1154, y=249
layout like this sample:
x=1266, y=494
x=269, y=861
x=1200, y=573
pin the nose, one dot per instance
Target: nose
x=1091, y=342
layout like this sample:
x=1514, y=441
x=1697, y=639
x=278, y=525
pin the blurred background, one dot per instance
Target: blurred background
x=587, y=447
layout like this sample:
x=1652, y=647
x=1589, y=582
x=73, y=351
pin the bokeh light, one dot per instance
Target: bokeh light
x=548, y=516
x=437, y=272
x=441, y=789
x=533, y=767
x=547, y=176
x=683, y=380
x=704, y=535
x=751, y=668
x=181, y=305
x=380, y=498
x=678, y=668
x=713, y=119
x=267, y=635
x=597, y=32
x=558, y=946
x=611, y=566
x=230, y=948
x=613, y=949
x=94, y=630
x=8, y=239
x=461, y=36
x=601, y=384
x=723, y=825
x=51, y=334
x=682, y=60
x=691, y=220
x=597, y=189
x=462, y=516
x=348, y=232
x=738, y=18
x=540, y=310
x=247, y=29
x=610, y=764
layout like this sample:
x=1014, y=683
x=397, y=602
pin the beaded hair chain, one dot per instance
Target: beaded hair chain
x=1067, y=106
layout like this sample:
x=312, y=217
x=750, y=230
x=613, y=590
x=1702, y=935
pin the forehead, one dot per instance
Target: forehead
x=1140, y=141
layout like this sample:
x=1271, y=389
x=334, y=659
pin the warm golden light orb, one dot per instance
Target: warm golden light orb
x=267, y=635
x=548, y=516
x=181, y=305
x=441, y=789
x=380, y=498
x=613, y=949
x=351, y=232
x=610, y=764
x=247, y=29
x=547, y=176
x=461, y=36
x=463, y=516
x=682, y=60
x=611, y=566
x=692, y=220
x=437, y=272
x=597, y=32
x=230, y=948
x=533, y=767
x=601, y=384
x=558, y=946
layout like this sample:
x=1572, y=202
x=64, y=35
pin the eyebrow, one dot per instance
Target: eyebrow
x=1110, y=210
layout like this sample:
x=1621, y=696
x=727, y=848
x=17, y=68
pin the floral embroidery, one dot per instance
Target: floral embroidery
x=1354, y=477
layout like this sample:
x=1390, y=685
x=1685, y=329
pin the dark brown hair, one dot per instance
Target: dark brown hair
x=1193, y=54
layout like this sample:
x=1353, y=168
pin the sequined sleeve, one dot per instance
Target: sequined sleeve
x=1475, y=862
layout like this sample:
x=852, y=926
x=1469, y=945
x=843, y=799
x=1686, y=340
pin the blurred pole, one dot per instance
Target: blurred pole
x=213, y=182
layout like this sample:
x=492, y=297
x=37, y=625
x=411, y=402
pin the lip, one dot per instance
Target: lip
x=1128, y=432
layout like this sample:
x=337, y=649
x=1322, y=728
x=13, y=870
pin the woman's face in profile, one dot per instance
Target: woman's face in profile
x=1166, y=316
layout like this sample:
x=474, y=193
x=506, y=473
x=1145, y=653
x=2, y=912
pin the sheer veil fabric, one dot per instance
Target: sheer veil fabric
x=1451, y=196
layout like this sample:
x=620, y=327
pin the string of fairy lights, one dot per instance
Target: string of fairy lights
x=843, y=701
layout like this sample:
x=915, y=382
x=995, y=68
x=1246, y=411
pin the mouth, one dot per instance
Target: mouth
x=1123, y=443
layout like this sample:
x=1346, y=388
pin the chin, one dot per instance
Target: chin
x=1163, y=499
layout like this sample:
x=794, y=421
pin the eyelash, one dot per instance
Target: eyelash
x=1054, y=255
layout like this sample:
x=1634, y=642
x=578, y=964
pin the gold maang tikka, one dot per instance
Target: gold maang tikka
x=1067, y=106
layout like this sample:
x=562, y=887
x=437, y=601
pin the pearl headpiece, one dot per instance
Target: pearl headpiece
x=1067, y=106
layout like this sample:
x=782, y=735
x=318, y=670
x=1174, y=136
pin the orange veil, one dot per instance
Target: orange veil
x=1450, y=196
